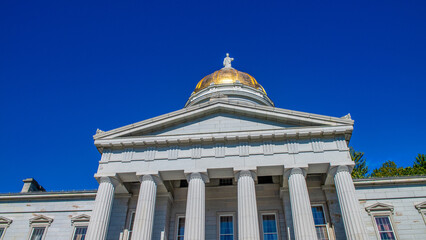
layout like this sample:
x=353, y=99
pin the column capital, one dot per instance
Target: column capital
x=155, y=177
x=339, y=168
x=295, y=170
x=197, y=175
x=245, y=173
x=113, y=179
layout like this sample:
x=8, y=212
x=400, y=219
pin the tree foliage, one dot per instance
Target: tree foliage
x=361, y=168
x=388, y=169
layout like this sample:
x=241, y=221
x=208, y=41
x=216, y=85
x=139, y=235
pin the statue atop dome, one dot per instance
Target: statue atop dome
x=227, y=61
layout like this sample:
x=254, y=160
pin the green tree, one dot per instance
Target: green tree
x=420, y=161
x=388, y=169
x=361, y=168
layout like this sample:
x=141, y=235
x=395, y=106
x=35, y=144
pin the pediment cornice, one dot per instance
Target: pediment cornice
x=293, y=133
x=379, y=207
x=197, y=111
x=5, y=221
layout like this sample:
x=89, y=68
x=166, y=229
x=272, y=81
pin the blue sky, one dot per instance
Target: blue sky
x=68, y=68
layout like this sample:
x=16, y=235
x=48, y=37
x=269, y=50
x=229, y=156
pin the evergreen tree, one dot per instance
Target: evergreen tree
x=388, y=169
x=361, y=168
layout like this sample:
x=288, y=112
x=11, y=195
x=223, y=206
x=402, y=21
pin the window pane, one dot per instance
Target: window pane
x=1, y=232
x=226, y=237
x=270, y=237
x=80, y=233
x=385, y=228
x=269, y=224
x=387, y=236
x=181, y=227
x=226, y=225
x=37, y=233
x=321, y=232
x=318, y=214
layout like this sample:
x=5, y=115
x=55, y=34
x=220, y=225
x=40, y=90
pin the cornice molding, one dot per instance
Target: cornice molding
x=221, y=105
x=292, y=133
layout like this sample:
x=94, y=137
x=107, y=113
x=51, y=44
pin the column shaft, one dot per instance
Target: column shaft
x=349, y=204
x=145, y=209
x=303, y=221
x=248, y=221
x=195, y=208
x=99, y=221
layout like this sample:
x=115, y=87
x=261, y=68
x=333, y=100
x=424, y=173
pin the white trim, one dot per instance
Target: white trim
x=4, y=223
x=81, y=220
x=40, y=221
x=277, y=225
x=234, y=223
x=327, y=222
x=421, y=207
x=382, y=210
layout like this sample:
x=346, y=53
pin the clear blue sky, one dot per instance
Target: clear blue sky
x=70, y=67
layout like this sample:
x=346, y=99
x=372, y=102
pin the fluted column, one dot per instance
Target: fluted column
x=349, y=204
x=144, y=216
x=195, y=217
x=248, y=221
x=301, y=210
x=99, y=221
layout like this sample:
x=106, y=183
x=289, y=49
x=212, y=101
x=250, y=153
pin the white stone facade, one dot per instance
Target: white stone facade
x=224, y=157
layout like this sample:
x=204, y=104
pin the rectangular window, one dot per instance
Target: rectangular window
x=320, y=222
x=37, y=233
x=80, y=233
x=226, y=227
x=180, y=228
x=131, y=222
x=269, y=224
x=225, y=181
x=384, y=227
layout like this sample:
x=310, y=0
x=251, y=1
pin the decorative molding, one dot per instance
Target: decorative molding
x=243, y=149
x=41, y=219
x=83, y=218
x=293, y=146
x=317, y=145
x=5, y=221
x=267, y=135
x=268, y=148
x=379, y=207
x=219, y=150
x=150, y=153
x=341, y=144
x=420, y=206
x=173, y=153
x=106, y=155
x=196, y=151
x=127, y=154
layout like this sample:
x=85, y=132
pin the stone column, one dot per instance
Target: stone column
x=248, y=220
x=349, y=204
x=99, y=221
x=195, y=217
x=301, y=211
x=144, y=216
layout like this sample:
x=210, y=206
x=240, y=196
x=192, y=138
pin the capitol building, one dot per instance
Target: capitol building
x=229, y=165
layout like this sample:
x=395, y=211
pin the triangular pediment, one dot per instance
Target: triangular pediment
x=379, y=207
x=5, y=221
x=81, y=218
x=220, y=116
x=41, y=219
x=421, y=205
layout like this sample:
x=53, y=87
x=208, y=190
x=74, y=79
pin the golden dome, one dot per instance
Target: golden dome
x=228, y=75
